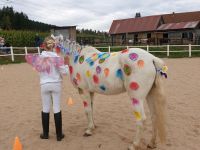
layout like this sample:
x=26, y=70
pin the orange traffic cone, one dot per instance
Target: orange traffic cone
x=70, y=101
x=17, y=145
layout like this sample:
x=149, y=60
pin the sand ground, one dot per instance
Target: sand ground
x=20, y=107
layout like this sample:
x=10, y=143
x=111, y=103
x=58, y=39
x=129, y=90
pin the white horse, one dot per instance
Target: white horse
x=134, y=71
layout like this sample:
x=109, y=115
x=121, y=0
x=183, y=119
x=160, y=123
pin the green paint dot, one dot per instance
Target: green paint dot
x=127, y=70
x=101, y=61
x=81, y=59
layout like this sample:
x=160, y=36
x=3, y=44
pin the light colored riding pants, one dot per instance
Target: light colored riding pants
x=51, y=92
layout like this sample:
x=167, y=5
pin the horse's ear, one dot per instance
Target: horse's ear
x=53, y=36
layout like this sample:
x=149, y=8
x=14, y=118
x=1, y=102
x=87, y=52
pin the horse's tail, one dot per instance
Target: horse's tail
x=157, y=95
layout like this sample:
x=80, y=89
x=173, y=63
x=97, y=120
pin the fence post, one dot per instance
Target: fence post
x=26, y=52
x=167, y=50
x=190, y=50
x=38, y=50
x=147, y=48
x=108, y=49
x=12, y=54
x=127, y=47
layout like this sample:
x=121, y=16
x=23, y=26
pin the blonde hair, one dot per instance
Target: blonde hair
x=49, y=43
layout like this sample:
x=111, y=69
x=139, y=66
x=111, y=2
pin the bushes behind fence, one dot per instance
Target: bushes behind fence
x=21, y=38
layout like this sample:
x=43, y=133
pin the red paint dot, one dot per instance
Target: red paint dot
x=125, y=51
x=70, y=69
x=96, y=79
x=85, y=104
x=134, y=86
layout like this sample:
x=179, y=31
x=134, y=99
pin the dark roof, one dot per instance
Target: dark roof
x=181, y=17
x=177, y=26
x=149, y=23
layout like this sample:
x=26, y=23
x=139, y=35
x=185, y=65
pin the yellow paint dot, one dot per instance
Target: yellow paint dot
x=164, y=68
x=88, y=74
x=137, y=115
x=113, y=54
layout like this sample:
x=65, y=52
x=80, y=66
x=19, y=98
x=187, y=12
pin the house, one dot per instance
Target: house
x=68, y=32
x=175, y=28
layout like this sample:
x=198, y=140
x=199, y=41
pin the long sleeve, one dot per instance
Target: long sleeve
x=64, y=69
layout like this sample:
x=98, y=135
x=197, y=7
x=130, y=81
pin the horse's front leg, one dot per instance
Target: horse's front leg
x=87, y=103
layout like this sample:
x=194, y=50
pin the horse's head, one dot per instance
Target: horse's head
x=70, y=46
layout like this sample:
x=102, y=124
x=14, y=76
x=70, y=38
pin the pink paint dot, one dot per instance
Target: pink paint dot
x=85, y=104
x=134, y=86
x=95, y=79
x=135, y=101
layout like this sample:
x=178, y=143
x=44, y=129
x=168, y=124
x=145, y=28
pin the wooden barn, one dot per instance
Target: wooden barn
x=68, y=32
x=175, y=28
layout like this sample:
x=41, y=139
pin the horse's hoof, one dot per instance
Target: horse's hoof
x=86, y=134
x=131, y=147
x=150, y=146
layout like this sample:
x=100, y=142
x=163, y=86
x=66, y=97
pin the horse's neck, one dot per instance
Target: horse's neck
x=89, y=50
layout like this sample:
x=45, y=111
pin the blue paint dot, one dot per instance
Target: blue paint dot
x=76, y=59
x=91, y=63
x=102, y=87
x=119, y=74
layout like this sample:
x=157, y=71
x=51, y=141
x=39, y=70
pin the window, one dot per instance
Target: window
x=148, y=35
x=165, y=35
x=184, y=35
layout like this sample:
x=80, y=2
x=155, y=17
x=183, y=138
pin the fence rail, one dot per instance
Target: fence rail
x=37, y=50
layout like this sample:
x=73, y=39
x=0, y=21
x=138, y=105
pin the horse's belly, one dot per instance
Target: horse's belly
x=110, y=88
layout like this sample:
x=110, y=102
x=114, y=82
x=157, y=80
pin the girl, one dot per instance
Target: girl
x=50, y=66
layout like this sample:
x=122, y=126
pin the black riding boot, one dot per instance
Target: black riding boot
x=58, y=125
x=45, y=125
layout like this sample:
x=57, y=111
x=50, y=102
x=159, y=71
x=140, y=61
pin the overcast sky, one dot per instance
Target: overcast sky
x=96, y=14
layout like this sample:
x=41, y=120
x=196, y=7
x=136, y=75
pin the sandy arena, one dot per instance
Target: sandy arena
x=20, y=108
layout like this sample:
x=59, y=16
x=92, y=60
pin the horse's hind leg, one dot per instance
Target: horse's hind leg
x=140, y=116
x=87, y=103
x=150, y=102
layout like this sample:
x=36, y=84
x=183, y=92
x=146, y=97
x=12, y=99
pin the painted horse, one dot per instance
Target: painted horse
x=134, y=71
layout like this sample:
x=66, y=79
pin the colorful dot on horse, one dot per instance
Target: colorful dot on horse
x=137, y=115
x=70, y=69
x=81, y=59
x=88, y=74
x=140, y=63
x=104, y=55
x=133, y=86
x=98, y=69
x=91, y=63
x=133, y=56
x=85, y=104
x=114, y=54
x=101, y=61
x=106, y=72
x=124, y=51
x=119, y=74
x=78, y=76
x=102, y=87
x=75, y=82
x=127, y=70
x=135, y=101
x=95, y=79
x=76, y=59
